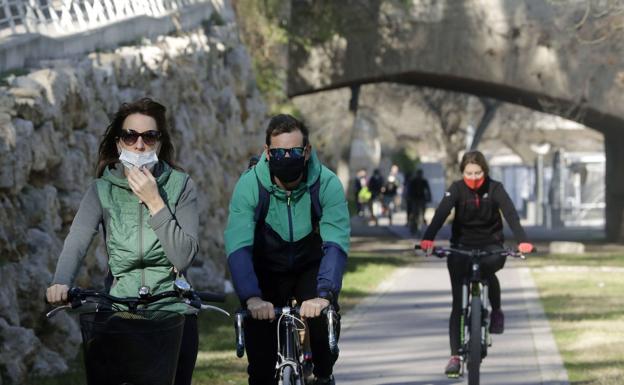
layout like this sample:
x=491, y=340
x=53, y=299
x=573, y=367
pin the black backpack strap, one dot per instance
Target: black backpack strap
x=317, y=209
x=264, y=199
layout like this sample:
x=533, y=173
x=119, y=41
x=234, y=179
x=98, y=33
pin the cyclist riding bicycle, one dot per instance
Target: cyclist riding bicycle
x=148, y=209
x=287, y=236
x=478, y=201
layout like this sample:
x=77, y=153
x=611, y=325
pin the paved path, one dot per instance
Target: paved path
x=400, y=335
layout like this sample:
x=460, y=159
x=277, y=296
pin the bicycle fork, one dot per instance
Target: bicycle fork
x=483, y=292
x=462, y=326
x=288, y=358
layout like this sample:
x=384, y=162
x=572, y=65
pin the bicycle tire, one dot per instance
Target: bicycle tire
x=474, y=344
x=288, y=376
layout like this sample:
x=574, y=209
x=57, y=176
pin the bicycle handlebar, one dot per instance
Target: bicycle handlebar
x=77, y=297
x=443, y=252
x=241, y=314
x=207, y=296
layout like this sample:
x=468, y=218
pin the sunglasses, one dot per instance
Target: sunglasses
x=149, y=137
x=280, y=153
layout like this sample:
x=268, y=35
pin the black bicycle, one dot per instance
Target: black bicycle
x=132, y=341
x=290, y=360
x=475, y=335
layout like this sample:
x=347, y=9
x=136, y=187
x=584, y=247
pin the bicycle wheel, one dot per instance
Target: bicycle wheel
x=474, y=344
x=288, y=376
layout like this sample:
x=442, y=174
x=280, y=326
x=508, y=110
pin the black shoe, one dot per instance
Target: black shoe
x=497, y=322
x=325, y=380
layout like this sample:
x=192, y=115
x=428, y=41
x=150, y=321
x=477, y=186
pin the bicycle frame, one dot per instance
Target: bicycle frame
x=475, y=313
x=474, y=287
x=290, y=349
x=290, y=356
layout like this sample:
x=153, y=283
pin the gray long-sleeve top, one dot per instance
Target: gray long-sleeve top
x=177, y=234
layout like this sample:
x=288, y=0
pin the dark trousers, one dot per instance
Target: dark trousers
x=261, y=336
x=459, y=269
x=188, y=351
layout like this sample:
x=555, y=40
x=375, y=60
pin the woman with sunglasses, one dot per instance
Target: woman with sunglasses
x=148, y=209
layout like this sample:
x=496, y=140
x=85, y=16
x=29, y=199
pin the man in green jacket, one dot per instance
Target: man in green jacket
x=287, y=236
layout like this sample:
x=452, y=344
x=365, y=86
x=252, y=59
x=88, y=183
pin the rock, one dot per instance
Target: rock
x=51, y=124
x=18, y=345
x=41, y=208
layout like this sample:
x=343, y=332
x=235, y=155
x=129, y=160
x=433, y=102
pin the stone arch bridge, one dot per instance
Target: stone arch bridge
x=560, y=57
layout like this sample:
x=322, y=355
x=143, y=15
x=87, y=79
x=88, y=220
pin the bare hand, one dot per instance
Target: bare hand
x=57, y=294
x=143, y=185
x=313, y=307
x=260, y=309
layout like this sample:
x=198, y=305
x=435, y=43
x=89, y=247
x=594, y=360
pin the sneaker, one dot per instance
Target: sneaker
x=308, y=368
x=325, y=380
x=453, y=367
x=497, y=322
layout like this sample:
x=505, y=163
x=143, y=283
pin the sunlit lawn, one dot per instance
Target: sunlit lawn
x=587, y=259
x=586, y=312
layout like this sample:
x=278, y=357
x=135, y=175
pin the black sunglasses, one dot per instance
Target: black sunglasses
x=280, y=153
x=149, y=137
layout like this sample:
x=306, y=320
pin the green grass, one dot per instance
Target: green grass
x=366, y=270
x=588, y=259
x=586, y=313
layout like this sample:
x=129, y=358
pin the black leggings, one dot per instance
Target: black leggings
x=459, y=269
x=261, y=336
x=188, y=351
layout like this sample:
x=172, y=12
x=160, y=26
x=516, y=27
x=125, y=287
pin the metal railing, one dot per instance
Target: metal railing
x=65, y=17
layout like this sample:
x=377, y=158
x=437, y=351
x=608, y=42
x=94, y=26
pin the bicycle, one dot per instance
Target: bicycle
x=475, y=336
x=289, y=367
x=125, y=342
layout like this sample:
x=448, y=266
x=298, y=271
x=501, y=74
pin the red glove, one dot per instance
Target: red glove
x=426, y=245
x=525, y=247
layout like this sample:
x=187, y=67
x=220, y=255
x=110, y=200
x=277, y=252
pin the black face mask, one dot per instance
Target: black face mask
x=287, y=170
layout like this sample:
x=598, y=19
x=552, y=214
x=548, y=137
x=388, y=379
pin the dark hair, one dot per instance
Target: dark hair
x=282, y=123
x=253, y=161
x=474, y=157
x=108, y=154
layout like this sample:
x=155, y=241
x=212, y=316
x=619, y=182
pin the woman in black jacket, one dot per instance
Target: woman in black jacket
x=478, y=202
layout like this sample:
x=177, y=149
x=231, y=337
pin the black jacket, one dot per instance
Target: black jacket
x=478, y=219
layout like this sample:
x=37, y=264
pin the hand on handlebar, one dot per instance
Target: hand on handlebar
x=427, y=246
x=525, y=247
x=57, y=294
x=260, y=309
x=313, y=307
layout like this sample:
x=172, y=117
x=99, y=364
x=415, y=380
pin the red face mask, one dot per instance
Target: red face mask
x=474, y=184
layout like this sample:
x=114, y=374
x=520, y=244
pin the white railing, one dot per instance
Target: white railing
x=65, y=17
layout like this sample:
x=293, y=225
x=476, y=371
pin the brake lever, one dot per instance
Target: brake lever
x=53, y=312
x=205, y=307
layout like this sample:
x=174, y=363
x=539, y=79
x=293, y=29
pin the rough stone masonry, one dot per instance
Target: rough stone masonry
x=51, y=122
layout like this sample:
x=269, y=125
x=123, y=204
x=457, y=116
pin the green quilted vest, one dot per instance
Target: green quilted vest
x=135, y=256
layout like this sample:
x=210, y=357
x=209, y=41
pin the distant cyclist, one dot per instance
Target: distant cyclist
x=287, y=236
x=478, y=202
x=418, y=195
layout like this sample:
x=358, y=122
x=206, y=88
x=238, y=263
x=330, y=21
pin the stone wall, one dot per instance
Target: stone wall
x=51, y=121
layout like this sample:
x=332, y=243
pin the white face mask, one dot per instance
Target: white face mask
x=134, y=159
